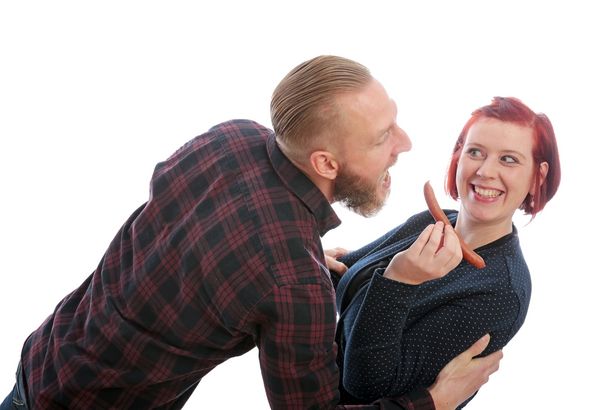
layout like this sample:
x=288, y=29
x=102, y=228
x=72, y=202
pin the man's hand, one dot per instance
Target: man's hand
x=434, y=254
x=463, y=376
x=333, y=264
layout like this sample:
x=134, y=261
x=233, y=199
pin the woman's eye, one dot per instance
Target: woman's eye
x=509, y=159
x=474, y=153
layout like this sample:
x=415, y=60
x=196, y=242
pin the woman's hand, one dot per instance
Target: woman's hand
x=333, y=264
x=434, y=254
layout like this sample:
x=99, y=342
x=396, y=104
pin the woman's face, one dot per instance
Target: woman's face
x=495, y=172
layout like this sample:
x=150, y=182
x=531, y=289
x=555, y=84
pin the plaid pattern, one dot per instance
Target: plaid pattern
x=224, y=256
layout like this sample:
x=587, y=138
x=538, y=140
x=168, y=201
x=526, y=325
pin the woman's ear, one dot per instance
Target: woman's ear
x=324, y=164
x=543, y=171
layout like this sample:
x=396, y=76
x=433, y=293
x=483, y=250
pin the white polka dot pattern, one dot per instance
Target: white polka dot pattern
x=395, y=337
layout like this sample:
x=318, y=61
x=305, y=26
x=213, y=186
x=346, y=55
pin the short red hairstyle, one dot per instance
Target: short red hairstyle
x=509, y=109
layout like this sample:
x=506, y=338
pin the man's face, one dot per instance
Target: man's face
x=369, y=145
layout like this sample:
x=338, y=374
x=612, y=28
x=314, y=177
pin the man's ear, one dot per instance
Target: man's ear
x=324, y=164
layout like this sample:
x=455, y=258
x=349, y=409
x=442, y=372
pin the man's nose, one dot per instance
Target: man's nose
x=404, y=143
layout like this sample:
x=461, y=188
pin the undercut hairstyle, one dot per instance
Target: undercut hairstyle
x=303, y=105
x=544, y=148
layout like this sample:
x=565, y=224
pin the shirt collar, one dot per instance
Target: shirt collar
x=514, y=235
x=299, y=184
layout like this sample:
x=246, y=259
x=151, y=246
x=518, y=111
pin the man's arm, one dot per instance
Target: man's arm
x=295, y=337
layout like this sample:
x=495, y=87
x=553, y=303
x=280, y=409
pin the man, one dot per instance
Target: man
x=226, y=255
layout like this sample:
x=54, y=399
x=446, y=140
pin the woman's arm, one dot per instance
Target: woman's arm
x=394, y=345
x=412, y=226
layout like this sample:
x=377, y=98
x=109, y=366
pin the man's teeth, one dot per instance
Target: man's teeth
x=489, y=193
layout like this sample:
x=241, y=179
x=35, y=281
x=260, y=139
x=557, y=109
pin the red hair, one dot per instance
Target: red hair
x=509, y=109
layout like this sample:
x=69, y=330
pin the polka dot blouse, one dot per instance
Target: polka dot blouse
x=394, y=337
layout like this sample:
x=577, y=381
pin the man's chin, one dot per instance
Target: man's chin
x=367, y=209
x=359, y=196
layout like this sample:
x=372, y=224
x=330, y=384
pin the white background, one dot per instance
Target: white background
x=93, y=95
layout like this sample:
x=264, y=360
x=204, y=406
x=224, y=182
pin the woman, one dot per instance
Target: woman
x=505, y=158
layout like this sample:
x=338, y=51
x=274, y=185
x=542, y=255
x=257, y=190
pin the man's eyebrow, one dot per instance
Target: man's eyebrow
x=389, y=126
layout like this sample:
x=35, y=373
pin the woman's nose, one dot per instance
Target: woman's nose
x=487, y=169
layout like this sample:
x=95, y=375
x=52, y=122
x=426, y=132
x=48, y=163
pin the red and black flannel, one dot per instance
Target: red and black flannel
x=224, y=256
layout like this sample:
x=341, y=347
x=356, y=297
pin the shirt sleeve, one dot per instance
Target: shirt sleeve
x=298, y=357
x=418, y=399
x=394, y=347
x=413, y=226
x=390, y=237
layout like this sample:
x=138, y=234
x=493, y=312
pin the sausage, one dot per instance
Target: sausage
x=439, y=215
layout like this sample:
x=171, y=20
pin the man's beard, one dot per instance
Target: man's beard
x=357, y=193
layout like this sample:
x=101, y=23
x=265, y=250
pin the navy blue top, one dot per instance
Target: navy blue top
x=394, y=337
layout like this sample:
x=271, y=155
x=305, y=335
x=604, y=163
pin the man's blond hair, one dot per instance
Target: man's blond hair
x=303, y=107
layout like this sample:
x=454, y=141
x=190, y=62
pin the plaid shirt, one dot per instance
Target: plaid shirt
x=224, y=256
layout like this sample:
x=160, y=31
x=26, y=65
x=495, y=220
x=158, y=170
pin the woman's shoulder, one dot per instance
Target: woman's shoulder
x=505, y=262
x=425, y=218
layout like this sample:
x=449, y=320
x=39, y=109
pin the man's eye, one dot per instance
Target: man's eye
x=383, y=138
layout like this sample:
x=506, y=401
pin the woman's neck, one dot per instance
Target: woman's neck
x=477, y=234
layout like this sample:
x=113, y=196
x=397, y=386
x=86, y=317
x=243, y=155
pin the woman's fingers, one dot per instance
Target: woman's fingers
x=451, y=249
x=419, y=244
x=437, y=250
x=434, y=243
x=433, y=254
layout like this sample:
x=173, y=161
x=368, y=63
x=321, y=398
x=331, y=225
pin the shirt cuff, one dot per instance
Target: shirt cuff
x=420, y=399
x=406, y=287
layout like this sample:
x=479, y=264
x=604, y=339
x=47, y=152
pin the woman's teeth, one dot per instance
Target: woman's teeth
x=488, y=193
